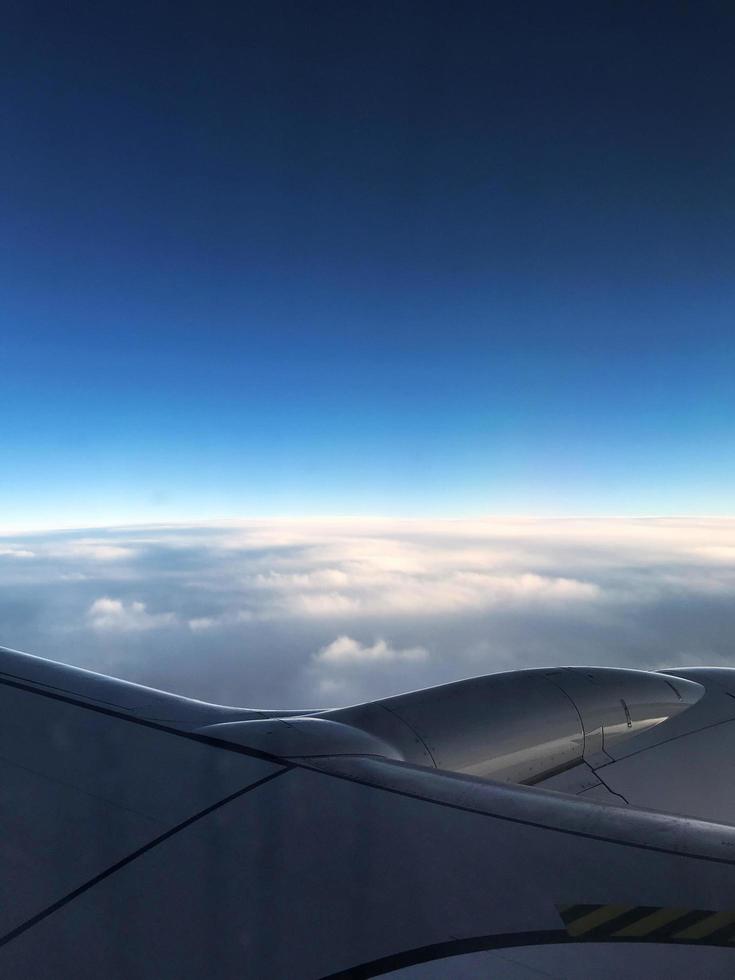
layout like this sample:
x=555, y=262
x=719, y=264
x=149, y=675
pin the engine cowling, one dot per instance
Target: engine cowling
x=522, y=726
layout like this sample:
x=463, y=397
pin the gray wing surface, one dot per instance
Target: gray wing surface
x=143, y=838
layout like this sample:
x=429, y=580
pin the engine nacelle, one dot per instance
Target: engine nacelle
x=522, y=726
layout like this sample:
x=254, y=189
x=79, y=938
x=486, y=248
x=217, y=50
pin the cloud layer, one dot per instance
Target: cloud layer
x=314, y=613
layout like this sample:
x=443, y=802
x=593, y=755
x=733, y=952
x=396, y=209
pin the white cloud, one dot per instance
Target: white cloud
x=376, y=591
x=344, y=651
x=113, y=614
x=201, y=623
x=319, y=579
x=92, y=550
x=322, y=604
x=251, y=601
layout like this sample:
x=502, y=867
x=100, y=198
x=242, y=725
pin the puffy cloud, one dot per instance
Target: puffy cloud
x=93, y=550
x=344, y=651
x=113, y=614
x=320, y=605
x=202, y=623
x=383, y=582
x=288, y=613
x=343, y=671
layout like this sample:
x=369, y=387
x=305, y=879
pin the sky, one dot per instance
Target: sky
x=349, y=348
x=407, y=259
x=323, y=612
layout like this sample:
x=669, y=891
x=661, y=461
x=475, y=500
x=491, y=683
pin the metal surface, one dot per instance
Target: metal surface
x=147, y=836
x=683, y=767
x=526, y=725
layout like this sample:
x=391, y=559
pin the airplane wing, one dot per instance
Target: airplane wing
x=573, y=823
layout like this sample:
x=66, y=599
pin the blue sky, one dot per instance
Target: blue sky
x=403, y=259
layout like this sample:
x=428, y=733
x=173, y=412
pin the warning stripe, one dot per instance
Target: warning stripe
x=713, y=923
x=654, y=920
x=600, y=917
x=636, y=922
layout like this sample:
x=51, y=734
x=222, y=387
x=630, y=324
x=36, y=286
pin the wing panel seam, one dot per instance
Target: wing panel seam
x=134, y=855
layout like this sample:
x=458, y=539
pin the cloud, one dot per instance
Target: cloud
x=343, y=669
x=93, y=550
x=382, y=582
x=344, y=651
x=113, y=614
x=288, y=613
x=202, y=623
x=319, y=605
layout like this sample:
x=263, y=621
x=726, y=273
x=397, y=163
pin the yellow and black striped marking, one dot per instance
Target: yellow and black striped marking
x=648, y=923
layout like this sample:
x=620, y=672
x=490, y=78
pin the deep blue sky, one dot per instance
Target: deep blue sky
x=341, y=257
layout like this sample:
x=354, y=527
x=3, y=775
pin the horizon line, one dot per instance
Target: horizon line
x=22, y=528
